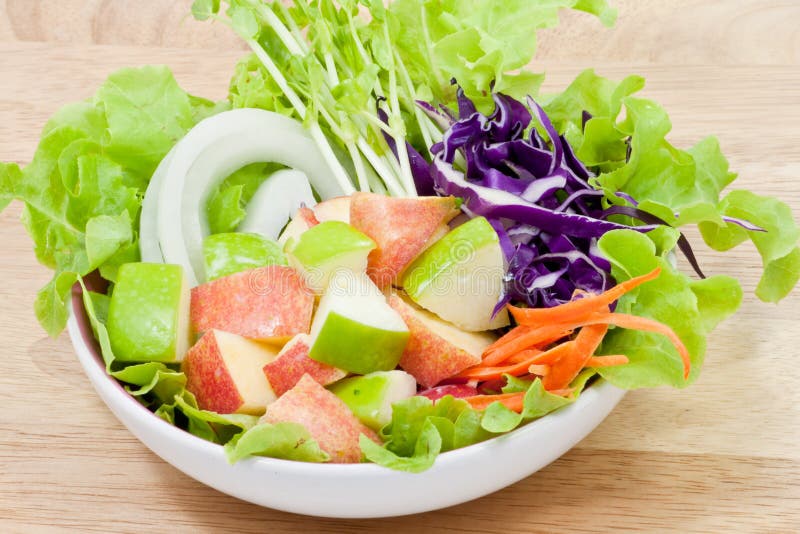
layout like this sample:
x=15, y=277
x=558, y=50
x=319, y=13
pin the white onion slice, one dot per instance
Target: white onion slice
x=209, y=153
x=148, y=221
x=276, y=200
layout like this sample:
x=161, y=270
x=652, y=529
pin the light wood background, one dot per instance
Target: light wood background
x=722, y=455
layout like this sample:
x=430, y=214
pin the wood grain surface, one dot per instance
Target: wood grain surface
x=723, y=455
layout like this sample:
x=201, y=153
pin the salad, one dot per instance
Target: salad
x=386, y=243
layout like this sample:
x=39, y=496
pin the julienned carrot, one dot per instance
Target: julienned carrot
x=570, y=364
x=522, y=356
x=532, y=338
x=607, y=361
x=482, y=372
x=539, y=370
x=582, y=307
x=515, y=333
x=535, y=357
x=512, y=401
x=634, y=322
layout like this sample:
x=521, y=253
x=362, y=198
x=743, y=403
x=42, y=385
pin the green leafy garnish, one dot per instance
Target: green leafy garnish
x=679, y=186
x=692, y=308
x=84, y=188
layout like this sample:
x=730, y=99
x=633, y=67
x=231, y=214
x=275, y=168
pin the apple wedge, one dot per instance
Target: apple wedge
x=293, y=362
x=458, y=391
x=333, y=209
x=268, y=304
x=436, y=349
x=355, y=329
x=325, y=248
x=401, y=227
x=460, y=277
x=223, y=371
x=148, y=316
x=371, y=396
x=329, y=421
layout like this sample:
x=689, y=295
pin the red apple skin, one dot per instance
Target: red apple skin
x=458, y=391
x=402, y=228
x=208, y=379
x=266, y=304
x=293, y=362
x=329, y=421
x=429, y=357
x=308, y=216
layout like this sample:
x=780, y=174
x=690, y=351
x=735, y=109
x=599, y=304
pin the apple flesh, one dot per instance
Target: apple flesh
x=355, y=329
x=436, y=349
x=401, y=227
x=148, y=316
x=293, y=362
x=329, y=421
x=223, y=371
x=328, y=247
x=333, y=209
x=460, y=277
x=459, y=391
x=371, y=396
x=269, y=304
x=227, y=254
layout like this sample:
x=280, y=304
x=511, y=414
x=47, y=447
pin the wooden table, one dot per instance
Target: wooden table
x=723, y=454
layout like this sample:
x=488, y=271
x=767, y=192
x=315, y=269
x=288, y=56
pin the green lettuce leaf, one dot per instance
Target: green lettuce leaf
x=681, y=187
x=9, y=177
x=479, y=43
x=691, y=308
x=227, y=205
x=83, y=189
x=427, y=447
x=537, y=402
x=421, y=429
x=288, y=441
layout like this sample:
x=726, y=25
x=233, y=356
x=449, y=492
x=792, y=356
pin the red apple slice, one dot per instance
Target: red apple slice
x=437, y=349
x=329, y=421
x=293, y=362
x=458, y=391
x=401, y=227
x=223, y=371
x=269, y=303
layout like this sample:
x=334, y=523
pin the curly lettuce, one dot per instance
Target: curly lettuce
x=83, y=190
x=681, y=187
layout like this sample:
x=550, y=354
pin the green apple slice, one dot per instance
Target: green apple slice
x=460, y=277
x=327, y=247
x=355, y=329
x=148, y=317
x=370, y=397
x=235, y=252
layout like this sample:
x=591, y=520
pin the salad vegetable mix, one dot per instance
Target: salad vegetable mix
x=386, y=243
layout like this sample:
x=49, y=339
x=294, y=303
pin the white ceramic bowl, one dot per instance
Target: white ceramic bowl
x=355, y=490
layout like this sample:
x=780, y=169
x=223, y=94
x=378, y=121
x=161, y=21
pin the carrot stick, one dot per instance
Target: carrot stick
x=568, y=366
x=523, y=356
x=546, y=334
x=607, y=361
x=539, y=370
x=535, y=357
x=634, y=322
x=515, y=333
x=512, y=401
x=580, y=308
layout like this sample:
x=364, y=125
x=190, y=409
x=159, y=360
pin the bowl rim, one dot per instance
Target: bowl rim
x=87, y=349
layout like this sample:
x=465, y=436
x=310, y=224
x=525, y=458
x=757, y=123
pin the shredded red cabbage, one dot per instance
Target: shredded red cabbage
x=526, y=180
